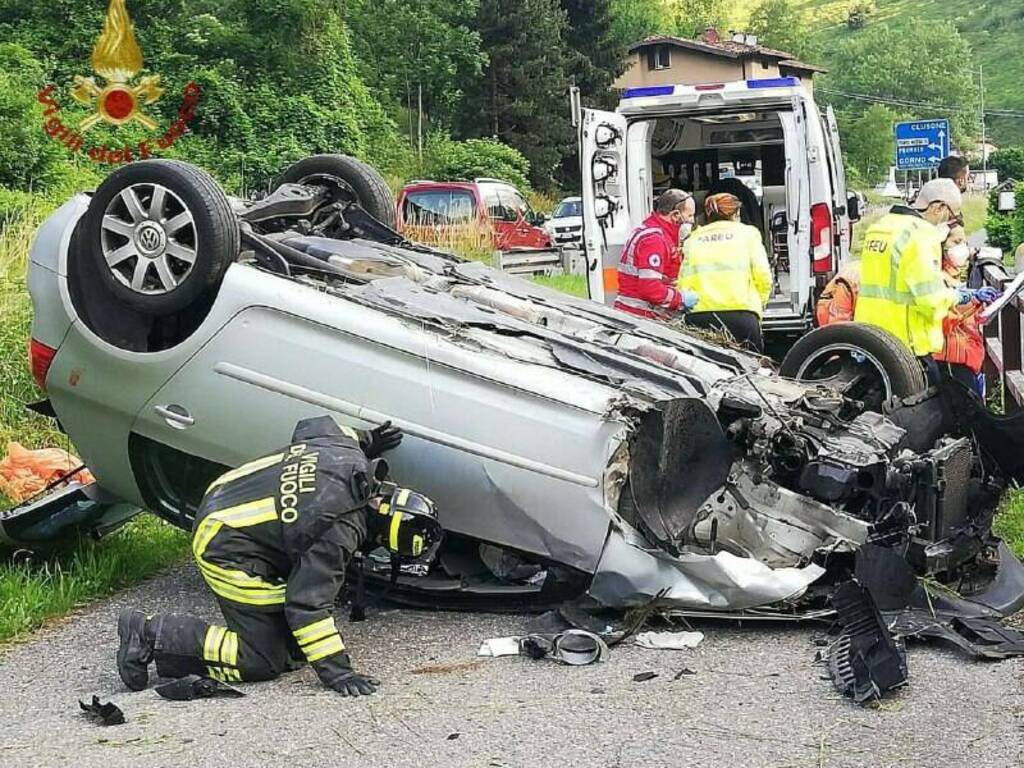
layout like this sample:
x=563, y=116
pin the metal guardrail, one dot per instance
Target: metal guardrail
x=1003, y=344
x=533, y=262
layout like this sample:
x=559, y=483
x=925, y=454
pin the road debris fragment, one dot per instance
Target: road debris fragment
x=575, y=647
x=669, y=641
x=193, y=687
x=865, y=662
x=102, y=712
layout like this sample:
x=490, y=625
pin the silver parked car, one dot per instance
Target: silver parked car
x=569, y=447
x=566, y=223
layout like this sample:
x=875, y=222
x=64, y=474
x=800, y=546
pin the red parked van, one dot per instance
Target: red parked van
x=439, y=212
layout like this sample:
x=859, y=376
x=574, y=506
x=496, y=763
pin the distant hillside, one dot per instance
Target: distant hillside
x=995, y=31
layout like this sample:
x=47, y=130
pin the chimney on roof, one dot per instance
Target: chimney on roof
x=743, y=38
x=710, y=35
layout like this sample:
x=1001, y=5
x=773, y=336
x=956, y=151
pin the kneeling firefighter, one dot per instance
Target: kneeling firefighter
x=272, y=539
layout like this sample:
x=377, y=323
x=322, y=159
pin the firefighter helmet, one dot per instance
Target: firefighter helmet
x=412, y=529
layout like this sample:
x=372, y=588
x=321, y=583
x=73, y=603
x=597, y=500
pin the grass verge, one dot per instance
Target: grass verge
x=38, y=587
x=1009, y=522
x=574, y=285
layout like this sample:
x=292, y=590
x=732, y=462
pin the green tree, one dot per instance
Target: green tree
x=597, y=54
x=406, y=45
x=279, y=78
x=691, y=17
x=633, y=20
x=868, y=145
x=1008, y=163
x=522, y=97
x=930, y=67
x=29, y=159
x=782, y=25
x=447, y=160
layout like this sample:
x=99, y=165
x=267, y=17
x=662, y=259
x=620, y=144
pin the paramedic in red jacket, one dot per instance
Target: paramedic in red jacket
x=651, y=257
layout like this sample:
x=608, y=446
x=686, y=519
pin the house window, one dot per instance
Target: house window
x=658, y=57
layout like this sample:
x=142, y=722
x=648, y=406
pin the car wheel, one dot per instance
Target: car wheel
x=350, y=180
x=160, y=234
x=862, y=361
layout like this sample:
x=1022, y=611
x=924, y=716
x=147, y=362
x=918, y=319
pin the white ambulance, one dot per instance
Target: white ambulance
x=763, y=140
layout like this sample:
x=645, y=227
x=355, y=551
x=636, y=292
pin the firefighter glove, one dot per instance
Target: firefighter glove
x=351, y=683
x=383, y=438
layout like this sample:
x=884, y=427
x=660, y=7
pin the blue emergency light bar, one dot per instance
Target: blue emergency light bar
x=773, y=82
x=668, y=90
x=650, y=90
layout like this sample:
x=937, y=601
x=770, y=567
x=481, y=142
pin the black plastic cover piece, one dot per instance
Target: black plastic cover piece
x=865, y=662
x=196, y=687
x=103, y=712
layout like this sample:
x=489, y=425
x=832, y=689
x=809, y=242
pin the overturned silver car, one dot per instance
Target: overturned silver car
x=570, y=448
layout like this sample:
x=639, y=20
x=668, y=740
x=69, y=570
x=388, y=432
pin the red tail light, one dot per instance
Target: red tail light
x=821, y=238
x=40, y=357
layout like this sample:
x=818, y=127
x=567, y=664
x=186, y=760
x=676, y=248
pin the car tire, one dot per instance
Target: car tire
x=160, y=235
x=354, y=180
x=899, y=369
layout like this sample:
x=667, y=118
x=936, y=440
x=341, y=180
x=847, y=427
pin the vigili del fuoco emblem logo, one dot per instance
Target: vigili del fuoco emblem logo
x=118, y=99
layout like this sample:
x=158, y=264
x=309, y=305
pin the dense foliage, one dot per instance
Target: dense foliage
x=397, y=81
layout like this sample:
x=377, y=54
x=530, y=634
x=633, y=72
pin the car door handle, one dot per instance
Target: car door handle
x=175, y=415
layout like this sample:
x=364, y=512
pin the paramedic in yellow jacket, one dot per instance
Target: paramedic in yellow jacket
x=902, y=288
x=726, y=265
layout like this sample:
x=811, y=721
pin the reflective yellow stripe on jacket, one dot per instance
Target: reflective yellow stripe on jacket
x=901, y=285
x=246, y=469
x=319, y=639
x=726, y=264
x=232, y=584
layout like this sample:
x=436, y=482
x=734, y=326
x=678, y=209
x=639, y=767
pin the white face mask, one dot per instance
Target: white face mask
x=685, y=230
x=958, y=254
x=943, y=231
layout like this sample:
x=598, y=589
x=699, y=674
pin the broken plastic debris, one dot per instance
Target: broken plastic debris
x=105, y=713
x=575, y=647
x=196, y=687
x=643, y=677
x=865, y=661
x=499, y=646
x=669, y=641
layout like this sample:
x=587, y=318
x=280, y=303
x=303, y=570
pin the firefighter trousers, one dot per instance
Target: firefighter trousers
x=255, y=645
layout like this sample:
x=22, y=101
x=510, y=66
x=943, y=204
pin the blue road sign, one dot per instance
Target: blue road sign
x=921, y=144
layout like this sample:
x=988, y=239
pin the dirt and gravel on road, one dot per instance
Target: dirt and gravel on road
x=755, y=699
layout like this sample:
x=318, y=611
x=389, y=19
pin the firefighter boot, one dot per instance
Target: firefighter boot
x=135, y=651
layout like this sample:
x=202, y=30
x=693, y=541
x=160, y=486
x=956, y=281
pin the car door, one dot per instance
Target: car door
x=485, y=451
x=502, y=219
x=840, y=204
x=798, y=212
x=524, y=234
x=606, y=223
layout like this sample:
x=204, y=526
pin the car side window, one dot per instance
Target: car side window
x=492, y=203
x=514, y=204
x=438, y=207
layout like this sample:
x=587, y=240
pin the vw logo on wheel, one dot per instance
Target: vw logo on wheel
x=150, y=238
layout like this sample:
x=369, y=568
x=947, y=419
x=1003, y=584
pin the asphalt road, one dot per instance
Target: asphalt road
x=755, y=699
